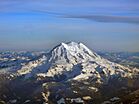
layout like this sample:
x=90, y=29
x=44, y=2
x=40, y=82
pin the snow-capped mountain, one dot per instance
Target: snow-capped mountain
x=70, y=72
x=76, y=62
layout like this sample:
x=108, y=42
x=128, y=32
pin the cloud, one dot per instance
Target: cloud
x=73, y=6
x=105, y=18
x=112, y=10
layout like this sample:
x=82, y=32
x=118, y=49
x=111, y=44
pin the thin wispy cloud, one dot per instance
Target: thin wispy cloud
x=99, y=11
x=103, y=18
x=54, y=20
x=70, y=6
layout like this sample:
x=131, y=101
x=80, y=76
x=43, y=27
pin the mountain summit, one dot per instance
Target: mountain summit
x=71, y=52
x=69, y=73
x=74, y=61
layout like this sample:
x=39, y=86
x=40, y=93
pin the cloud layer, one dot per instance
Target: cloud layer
x=105, y=18
x=40, y=24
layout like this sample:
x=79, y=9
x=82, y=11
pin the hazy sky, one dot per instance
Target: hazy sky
x=42, y=24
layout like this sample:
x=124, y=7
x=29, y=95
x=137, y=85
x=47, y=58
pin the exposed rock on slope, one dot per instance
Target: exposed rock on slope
x=74, y=61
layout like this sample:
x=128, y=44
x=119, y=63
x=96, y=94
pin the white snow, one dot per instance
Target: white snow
x=76, y=62
x=61, y=101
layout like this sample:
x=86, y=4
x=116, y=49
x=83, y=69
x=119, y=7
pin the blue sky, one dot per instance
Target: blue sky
x=110, y=25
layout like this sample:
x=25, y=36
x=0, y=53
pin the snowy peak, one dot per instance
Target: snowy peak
x=76, y=47
x=68, y=52
x=74, y=61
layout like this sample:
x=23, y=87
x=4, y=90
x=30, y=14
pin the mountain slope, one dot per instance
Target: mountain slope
x=74, y=61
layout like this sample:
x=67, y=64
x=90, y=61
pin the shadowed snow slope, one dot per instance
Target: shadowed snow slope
x=74, y=61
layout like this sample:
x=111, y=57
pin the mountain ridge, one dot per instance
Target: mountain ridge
x=74, y=61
